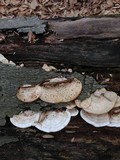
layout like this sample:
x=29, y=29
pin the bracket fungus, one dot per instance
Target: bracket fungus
x=53, y=121
x=25, y=119
x=29, y=93
x=99, y=102
x=117, y=104
x=58, y=90
x=114, y=117
x=73, y=111
x=95, y=120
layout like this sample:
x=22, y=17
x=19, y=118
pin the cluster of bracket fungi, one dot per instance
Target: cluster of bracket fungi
x=102, y=108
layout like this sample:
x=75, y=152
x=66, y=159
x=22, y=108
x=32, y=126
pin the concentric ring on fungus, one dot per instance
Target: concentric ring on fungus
x=53, y=121
x=25, y=119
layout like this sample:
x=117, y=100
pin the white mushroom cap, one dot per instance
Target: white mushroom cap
x=29, y=93
x=99, y=104
x=25, y=119
x=117, y=104
x=53, y=121
x=73, y=111
x=60, y=91
x=115, y=117
x=95, y=120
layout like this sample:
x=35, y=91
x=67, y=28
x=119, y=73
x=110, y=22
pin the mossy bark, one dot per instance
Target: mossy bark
x=12, y=77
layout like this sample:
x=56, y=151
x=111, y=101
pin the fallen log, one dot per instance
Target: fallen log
x=96, y=28
x=65, y=43
x=75, y=52
x=78, y=140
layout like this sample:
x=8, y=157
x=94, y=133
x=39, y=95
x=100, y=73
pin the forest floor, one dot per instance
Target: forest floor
x=46, y=9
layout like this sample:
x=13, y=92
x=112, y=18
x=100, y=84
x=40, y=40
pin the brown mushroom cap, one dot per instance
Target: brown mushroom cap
x=28, y=93
x=57, y=90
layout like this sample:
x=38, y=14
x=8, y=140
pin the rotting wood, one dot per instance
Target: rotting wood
x=76, y=52
x=85, y=52
x=96, y=28
x=78, y=140
x=12, y=77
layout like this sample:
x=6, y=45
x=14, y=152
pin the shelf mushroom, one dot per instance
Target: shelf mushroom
x=117, y=104
x=114, y=117
x=25, y=119
x=99, y=102
x=58, y=90
x=74, y=111
x=95, y=120
x=53, y=121
x=29, y=93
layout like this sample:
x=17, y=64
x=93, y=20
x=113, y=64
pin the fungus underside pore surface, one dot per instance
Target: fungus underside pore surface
x=12, y=77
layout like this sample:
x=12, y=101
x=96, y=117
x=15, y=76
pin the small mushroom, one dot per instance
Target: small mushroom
x=28, y=93
x=53, y=121
x=73, y=111
x=99, y=104
x=95, y=120
x=25, y=119
x=48, y=68
x=71, y=105
x=60, y=90
x=114, y=117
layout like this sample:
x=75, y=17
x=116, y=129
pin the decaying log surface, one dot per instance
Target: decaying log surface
x=78, y=140
x=12, y=77
x=97, y=28
x=63, y=42
x=75, y=52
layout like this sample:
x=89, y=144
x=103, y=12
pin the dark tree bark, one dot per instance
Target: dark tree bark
x=75, y=52
x=78, y=140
